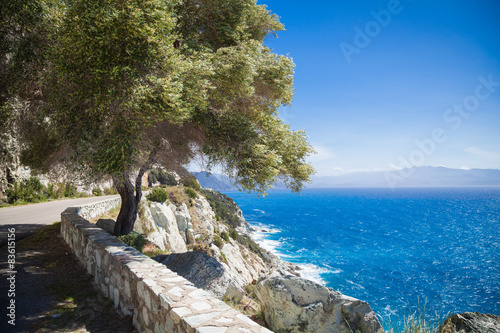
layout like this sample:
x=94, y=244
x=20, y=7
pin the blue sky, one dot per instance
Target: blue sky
x=389, y=84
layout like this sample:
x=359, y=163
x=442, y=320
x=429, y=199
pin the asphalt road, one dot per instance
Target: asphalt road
x=29, y=218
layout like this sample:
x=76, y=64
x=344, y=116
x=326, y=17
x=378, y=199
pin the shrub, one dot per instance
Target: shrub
x=224, y=207
x=233, y=234
x=30, y=190
x=51, y=191
x=252, y=246
x=69, y=190
x=158, y=194
x=218, y=241
x=134, y=239
x=110, y=191
x=160, y=175
x=203, y=247
x=192, y=182
x=225, y=236
x=97, y=191
x=192, y=194
x=174, y=195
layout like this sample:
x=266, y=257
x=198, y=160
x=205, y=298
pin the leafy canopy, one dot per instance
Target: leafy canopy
x=132, y=82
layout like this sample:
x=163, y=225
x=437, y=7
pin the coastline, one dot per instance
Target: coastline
x=260, y=234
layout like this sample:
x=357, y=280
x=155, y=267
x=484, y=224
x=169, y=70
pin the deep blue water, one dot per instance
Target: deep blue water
x=391, y=248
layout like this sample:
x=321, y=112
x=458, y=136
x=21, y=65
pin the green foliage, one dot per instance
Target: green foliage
x=225, y=236
x=190, y=193
x=110, y=191
x=160, y=175
x=191, y=182
x=218, y=241
x=30, y=190
x=97, y=191
x=252, y=246
x=134, y=239
x=128, y=84
x=158, y=194
x=233, y=234
x=224, y=207
x=51, y=191
x=417, y=321
x=69, y=190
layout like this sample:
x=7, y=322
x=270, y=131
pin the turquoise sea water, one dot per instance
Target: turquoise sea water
x=391, y=248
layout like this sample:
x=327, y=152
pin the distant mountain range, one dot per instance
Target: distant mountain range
x=215, y=181
x=411, y=177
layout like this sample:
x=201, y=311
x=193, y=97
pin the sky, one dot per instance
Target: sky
x=383, y=85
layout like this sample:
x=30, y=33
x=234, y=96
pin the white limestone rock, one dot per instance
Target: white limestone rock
x=295, y=304
x=183, y=218
x=205, y=217
x=164, y=217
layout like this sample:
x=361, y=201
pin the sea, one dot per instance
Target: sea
x=405, y=251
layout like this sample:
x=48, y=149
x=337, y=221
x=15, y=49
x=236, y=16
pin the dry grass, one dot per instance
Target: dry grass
x=152, y=250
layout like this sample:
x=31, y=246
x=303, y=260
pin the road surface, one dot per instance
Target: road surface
x=29, y=218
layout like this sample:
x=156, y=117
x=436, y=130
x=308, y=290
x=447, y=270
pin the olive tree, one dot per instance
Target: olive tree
x=128, y=84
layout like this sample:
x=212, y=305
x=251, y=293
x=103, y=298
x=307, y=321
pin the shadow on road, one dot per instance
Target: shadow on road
x=21, y=231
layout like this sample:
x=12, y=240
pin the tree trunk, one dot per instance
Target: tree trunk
x=130, y=200
x=131, y=196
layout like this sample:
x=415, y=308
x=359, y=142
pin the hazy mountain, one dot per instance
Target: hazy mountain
x=214, y=181
x=413, y=177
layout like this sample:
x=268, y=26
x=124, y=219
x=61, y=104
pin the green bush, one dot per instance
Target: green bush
x=30, y=190
x=233, y=234
x=218, y=241
x=134, y=239
x=69, y=190
x=192, y=194
x=160, y=175
x=97, y=191
x=51, y=192
x=158, y=194
x=192, y=182
x=225, y=236
x=224, y=207
x=110, y=191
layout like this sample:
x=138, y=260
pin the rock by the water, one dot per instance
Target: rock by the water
x=107, y=224
x=204, y=272
x=294, y=304
x=471, y=322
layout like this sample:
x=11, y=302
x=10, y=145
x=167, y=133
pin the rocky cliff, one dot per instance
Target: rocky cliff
x=230, y=265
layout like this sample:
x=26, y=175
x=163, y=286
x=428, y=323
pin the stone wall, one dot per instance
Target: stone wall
x=158, y=299
x=98, y=208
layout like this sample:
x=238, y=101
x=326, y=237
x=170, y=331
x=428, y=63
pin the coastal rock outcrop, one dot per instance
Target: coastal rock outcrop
x=295, y=304
x=204, y=272
x=227, y=261
x=471, y=322
x=175, y=227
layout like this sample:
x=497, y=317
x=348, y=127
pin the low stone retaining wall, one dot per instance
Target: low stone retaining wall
x=158, y=299
x=89, y=211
